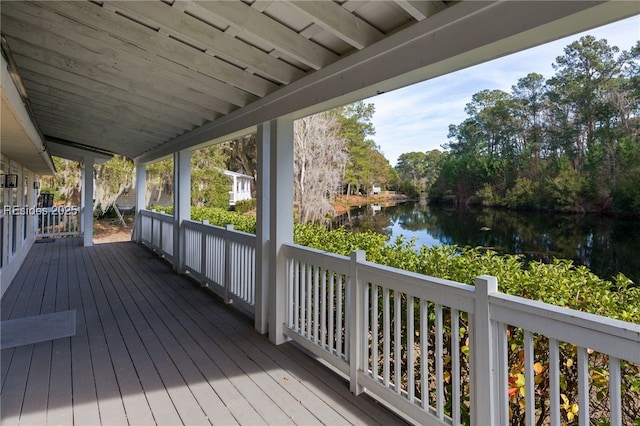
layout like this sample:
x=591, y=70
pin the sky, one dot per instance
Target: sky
x=417, y=117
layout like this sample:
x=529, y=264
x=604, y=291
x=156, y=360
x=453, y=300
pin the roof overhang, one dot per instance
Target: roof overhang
x=146, y=79
x=76, y=152
x=458, y=37
x=20, y=140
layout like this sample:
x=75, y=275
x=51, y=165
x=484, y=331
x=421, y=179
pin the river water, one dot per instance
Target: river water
x=606, y=245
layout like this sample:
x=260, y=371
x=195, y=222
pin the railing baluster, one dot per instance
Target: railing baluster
x=316, y=299
x=203, y=252
x=554, y=381
x=296, y=296
x=375, y=345
x=386, y=326
x=424, y=358
x=583, y=387
x=365, y=327
x=530, y=407
x=290, y=291
x=502, y=369
x=455, y=366
x=303, y=300
x=397, y=345
x=439, y=363
x=332, y=332
x=339, y=350
x=615, y=391
x=411, y=379
x=324, y=311
x=309, y=284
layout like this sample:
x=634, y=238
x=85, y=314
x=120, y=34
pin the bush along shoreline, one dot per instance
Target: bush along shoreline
x=559, y=283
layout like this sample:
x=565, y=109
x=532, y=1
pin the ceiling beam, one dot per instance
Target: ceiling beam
x=169, y=108
x=282, y=38
x=75, y=44
x=68, y=96
x=421, y=9
x=339, y=21
x=118, y=26
x=216, y=42
x=463, y=35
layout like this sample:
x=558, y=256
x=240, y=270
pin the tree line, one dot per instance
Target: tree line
x=567, y=143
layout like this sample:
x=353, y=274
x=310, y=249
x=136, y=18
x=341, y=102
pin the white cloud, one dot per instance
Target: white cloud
x=417, y=118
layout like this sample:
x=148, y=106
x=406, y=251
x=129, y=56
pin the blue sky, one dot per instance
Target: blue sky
x=417, y=118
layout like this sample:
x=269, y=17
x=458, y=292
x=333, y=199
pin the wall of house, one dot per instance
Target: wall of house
x=17, y=231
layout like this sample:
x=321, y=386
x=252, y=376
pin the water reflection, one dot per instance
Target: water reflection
x=605, y=245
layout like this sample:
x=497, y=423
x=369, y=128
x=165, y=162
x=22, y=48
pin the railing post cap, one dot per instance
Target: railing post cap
x=359, y=255
x=229, y=227
x=487, y=283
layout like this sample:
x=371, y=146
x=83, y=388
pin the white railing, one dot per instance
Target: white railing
x=157, y=231
x=223, y=259
x=239, y=195
x=438, y=351
x=375, y=323
x=58, y=221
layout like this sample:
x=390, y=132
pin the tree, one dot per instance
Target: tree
x=419, y=168
x=159, y=178
x=241, y=154
x=567, y=143
x=356, y=128
x=319, y=159
x=529, y=97
x=581, y=89
x=209, y=186
x=112, y=179
x=65, y=184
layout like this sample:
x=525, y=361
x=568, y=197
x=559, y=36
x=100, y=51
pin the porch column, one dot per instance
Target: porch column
x=262, y=229
x=181, y=204
x=280, y=220
x=141, y=194
x=86, y=209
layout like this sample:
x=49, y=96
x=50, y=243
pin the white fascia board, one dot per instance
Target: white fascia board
x=27, y=130
x=463, y=35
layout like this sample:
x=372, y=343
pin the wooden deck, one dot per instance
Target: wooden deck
x=153, y=348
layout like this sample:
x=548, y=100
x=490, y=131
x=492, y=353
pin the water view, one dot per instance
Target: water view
x=606, y=245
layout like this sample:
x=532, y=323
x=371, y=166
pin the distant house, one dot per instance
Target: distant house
x=241, y=187
x=240, y=190
x=375, y=190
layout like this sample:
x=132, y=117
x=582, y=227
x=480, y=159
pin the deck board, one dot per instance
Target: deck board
x=151, y=347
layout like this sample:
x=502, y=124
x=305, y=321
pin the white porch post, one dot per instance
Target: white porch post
x=141, y=194
x=262, y=230
x=181, y=204
x=280, y=220
x=86, y=220
x=484, y=397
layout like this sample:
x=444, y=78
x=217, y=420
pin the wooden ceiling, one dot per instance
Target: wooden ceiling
x=128, y=77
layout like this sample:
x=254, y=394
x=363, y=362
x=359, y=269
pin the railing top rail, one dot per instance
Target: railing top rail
x=438, y=290
x=157, y=215
x=233, y=235
x=203, y=227
x=614, y=337
x=323, y=259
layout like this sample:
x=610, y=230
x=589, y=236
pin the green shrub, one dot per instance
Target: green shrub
x=244, y=206
x=162, y=209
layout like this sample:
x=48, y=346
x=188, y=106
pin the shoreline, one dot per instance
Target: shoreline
x=343, y=203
